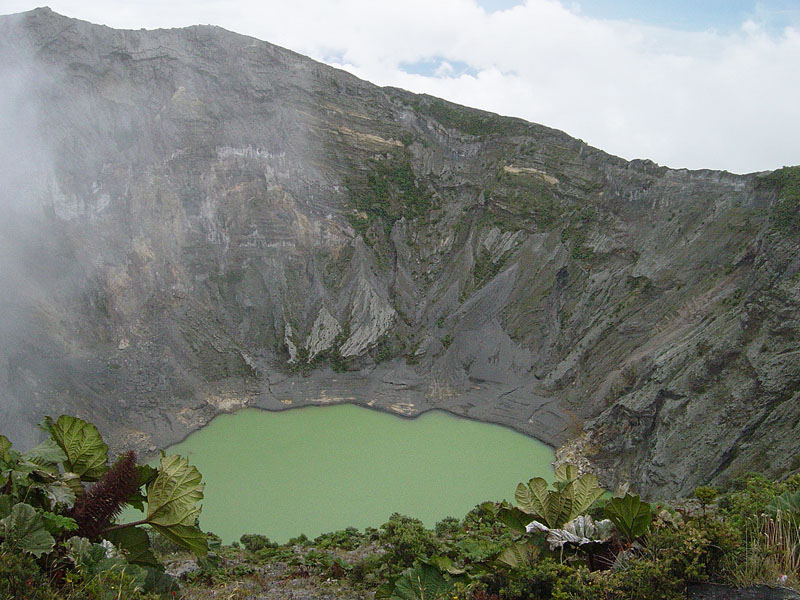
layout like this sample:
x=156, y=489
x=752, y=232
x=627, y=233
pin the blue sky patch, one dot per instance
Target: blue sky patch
x=491, y=6
x=687, y=15
x=335, y=57
x=691, y=15
x=438, y=67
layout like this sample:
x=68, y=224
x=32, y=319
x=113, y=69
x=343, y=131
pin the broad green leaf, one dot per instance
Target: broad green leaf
x=474, y=550
x=566, y=472
x=59, y=493
x=532, y=498
x=44, y=469
x=551, y=506
x=385, y=590
x=5, y=506
x=423, y=582
x=585, y=490
x=445, y=565
x=137, y=501
x=787, y=501
x=172, y=503
x=189, y=537
x=571, y=497
x=630, y=516
x=86, y=452
x=513, y=518
x=135, y=543
x=42, y=460
x=517, y=555
x=146, y=474
x=21, y=467
x=525, y=500
x=173, y=495
x=489, y=508
x=73, y=482
x=97, y=554
x=46, y=452
x=78, y=548
x=57, y=524
x=5, y=449
x=136, y=572
x=116, y=564
x=24, y=529
x=562, y=504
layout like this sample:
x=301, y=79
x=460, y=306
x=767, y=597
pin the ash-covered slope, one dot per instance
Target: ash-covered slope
x=198, y=221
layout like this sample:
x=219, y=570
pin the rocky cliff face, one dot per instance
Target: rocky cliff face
x=199, y=221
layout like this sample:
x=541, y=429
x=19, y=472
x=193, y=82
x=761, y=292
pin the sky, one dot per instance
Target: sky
x=686, y=83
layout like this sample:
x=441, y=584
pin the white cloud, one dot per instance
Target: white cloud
x=685, y=99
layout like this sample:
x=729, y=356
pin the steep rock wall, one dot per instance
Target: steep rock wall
x=199, y=221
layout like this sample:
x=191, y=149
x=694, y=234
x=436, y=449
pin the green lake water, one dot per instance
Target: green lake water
x=318, y=469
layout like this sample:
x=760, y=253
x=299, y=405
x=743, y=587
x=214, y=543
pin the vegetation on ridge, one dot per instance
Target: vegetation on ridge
x=470, y=121
x=786, y=211
x=388, y=192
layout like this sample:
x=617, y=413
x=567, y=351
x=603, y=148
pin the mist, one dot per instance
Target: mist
x=46, y=269
x=26, y=178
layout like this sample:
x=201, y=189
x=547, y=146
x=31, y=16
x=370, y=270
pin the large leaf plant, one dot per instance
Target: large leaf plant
x=64, y=490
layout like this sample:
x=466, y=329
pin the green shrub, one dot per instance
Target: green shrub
x=637, y=578
x=545, y=579
x=324, y=563
x=215, y=570
x=448, y=526
x=750, y=494
x=255, y=542
x=346, y=539
x=300, y=540
x=20, y=577
x=279, y=553
x=406, y=540
x=695, y=550
x=705, y=494
x=367, y=571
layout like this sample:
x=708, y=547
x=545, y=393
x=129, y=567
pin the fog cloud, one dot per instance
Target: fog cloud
x=26, y=180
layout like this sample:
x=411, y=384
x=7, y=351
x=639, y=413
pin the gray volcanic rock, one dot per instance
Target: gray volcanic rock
x=198, y=221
